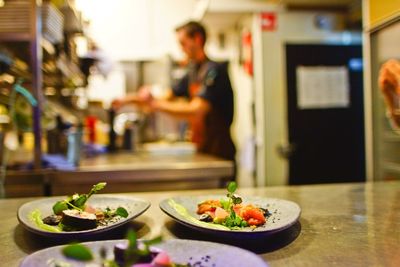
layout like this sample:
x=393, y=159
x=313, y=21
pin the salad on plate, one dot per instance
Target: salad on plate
x=231, y=212
x=75, y=214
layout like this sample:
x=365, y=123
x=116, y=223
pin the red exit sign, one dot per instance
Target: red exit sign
x=268, y=21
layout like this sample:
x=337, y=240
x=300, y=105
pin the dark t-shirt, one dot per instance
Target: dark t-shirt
x=215, y=87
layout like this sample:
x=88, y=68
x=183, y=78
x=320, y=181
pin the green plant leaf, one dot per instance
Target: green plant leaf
x=96, y=188
x=232, y=187
x=225, y=203
x=132, y=238
x=59, y=207
x=153, y=241
x=78, y=252
x=80, y=201
x=236, y=199
x=122, y=212
x=238, y=221
x=110, y=263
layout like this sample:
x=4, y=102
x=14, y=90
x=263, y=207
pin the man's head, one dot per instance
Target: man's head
x=192, y=37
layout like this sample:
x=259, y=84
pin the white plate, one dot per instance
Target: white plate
x=180, y=251
x=134, y=206
x=284, y=214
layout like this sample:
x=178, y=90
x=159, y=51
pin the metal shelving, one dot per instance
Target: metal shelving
x=21, y=21
x=18, y=37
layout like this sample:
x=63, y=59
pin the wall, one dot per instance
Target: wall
x=293, y=27
x=136, y=29
x=385, y=45
x=375, y=14
x=129, y=30
x=380, y=11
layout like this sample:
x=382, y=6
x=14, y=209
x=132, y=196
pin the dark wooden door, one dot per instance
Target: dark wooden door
x=327, y=143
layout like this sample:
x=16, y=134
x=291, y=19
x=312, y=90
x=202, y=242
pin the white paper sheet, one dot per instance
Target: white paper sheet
x=322, y=87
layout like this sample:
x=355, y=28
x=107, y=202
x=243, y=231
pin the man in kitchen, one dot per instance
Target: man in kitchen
x=207, y=88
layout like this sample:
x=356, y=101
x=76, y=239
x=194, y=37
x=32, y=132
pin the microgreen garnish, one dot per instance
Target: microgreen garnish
x=121, y=212
x=78, y=252
x=76, y=201
x=134, y=252
x=233, y=221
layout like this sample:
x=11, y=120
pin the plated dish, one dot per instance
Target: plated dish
x=30, y=213
x=232, y=214
x=185, y=252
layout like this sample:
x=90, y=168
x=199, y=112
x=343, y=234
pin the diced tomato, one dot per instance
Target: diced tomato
x=252, y=215
x=208, y=205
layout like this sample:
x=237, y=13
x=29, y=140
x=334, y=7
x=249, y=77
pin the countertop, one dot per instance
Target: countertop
x=126, y=171
x=128, y=161
x=354, y=224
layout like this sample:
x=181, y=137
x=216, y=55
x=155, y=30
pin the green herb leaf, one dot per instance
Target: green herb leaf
x=96, y=188
x=132, y=238
x=225, y=203
x=59, y=207
x=110, y=263
x=232, y=187
x=80, y=201
x=122, y=212
x=78, y=252
x=72, y=206
x=238, y=221
x=153, y=241
x=236, y=199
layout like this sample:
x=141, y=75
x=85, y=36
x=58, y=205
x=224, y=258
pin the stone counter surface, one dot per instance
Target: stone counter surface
x=340, y=225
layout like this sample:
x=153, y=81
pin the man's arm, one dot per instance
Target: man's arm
x=142, y=97
x=183, y=110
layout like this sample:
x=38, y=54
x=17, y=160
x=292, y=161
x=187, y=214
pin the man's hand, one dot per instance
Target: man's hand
x=196, y=107
x=144, y=95
x=117, y=103
x=143, y=98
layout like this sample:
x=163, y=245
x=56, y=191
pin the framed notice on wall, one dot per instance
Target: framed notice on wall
x=322, y=87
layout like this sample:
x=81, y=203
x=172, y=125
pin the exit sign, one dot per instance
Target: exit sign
x=268, y=21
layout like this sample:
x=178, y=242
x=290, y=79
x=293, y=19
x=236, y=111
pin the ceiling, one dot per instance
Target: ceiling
x=222, y=13
x=315, y=3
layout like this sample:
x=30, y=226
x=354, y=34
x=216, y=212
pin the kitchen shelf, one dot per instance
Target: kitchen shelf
x=15, y=37
x=21, y=32
x=36, y=32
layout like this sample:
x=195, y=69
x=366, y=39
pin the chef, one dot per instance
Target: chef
x=208, y=91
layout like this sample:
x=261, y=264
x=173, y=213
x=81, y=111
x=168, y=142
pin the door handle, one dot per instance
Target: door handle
x=286, y=150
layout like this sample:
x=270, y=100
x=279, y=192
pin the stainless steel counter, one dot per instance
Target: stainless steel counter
x=340, y=225
x=128, y=172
